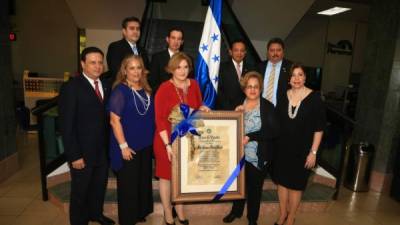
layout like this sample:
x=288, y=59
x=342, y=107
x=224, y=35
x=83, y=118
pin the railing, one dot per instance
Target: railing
x=51, y=152
x=333, y=147
x=146, y=22
x=233, y=30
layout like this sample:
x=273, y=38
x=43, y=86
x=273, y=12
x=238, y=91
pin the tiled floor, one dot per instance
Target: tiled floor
x=20, y=202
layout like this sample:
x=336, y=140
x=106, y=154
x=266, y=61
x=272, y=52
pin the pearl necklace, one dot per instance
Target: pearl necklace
x=292, y=114
x=145, y=102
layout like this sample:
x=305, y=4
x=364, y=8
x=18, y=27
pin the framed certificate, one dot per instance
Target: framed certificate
x=203, y=164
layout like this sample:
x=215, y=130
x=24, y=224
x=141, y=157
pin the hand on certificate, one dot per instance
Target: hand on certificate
x=204, y=108
x=239, y=108
x=245, y=140
x=170, y=153
x=127, y=153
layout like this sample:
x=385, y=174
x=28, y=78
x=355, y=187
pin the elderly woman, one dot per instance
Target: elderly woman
x=261, y=128
x=132, y=119
x=302, y=118
x=177, y=90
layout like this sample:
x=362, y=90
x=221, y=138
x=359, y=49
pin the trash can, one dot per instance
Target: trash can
x=359, y=165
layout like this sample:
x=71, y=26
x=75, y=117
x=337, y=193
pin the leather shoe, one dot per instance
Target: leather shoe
x=230, y=218
x=104, y=220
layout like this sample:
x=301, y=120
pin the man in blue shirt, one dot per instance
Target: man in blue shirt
x=276, y=71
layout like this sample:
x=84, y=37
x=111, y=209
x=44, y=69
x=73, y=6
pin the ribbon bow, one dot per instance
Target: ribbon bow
x=186, y=125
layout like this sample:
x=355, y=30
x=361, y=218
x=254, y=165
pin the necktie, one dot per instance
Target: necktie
x=239, y=73
x=134, y=49
x=270, y=86
x=97, y=90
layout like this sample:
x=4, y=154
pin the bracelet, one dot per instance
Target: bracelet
x=314, y=152
x=168, y=144
x=123, y=145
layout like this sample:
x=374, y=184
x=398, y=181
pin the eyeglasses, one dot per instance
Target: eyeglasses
x=252, y=87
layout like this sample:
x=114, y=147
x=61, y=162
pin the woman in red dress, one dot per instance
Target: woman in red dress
x=179, y=89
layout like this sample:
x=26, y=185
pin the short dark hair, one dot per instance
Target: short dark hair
x=175, y=29
x=294, y=66
x=276, y=40
x=237, y=41
x=89, y=50
x=129, y=19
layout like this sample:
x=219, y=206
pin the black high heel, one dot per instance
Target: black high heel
x=173, y=223
x=175, y=215
x=282, y=223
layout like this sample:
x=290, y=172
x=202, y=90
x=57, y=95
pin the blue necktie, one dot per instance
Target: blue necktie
x=134, y=49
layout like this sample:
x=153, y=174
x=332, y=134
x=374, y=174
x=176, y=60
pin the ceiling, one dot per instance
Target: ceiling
x=262, y=19
x=104, y=14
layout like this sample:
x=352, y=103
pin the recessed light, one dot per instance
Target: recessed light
x=333, y=11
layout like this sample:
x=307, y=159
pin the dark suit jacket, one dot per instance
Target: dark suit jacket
x=266, y=136
x=157, y=69
x=283, y=77
x=229, y=93
x=117, y=51
x=83, y=121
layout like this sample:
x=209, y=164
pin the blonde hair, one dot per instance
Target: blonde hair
x=251, y=74
x=177, y=58
x=121, y=75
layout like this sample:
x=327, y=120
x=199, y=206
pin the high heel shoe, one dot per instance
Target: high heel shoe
x=173, y=223
x=276, y=223
x=175, y=215
x=184, y=222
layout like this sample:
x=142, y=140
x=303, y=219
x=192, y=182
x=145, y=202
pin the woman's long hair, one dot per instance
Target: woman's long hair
x=121, y=75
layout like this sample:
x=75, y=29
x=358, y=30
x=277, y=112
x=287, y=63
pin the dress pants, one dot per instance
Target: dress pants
x=254, y=184
x=88, y=187
x=134, y=188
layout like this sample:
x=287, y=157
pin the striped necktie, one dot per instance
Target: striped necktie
x=271, y=82
x=238, y=71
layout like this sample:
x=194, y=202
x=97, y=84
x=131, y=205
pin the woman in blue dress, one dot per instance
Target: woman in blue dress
x=132, y=120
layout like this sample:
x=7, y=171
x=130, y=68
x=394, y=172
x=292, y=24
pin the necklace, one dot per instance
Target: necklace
x=181, y=98
x=292, y=114
x=145, y=102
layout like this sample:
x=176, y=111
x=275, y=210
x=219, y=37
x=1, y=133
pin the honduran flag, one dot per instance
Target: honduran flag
x=208, y=60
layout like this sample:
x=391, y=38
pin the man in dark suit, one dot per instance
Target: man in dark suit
x=160, y=59
x=118, y=50
x=275, y=71
x=230, y=94
x=84, y=129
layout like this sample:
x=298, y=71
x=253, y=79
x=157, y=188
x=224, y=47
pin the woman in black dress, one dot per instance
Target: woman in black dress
x=302, y=119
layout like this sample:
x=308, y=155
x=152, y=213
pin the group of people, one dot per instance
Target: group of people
x=122, y=121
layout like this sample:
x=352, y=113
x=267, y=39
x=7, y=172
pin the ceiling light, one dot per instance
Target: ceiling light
x=333, y=11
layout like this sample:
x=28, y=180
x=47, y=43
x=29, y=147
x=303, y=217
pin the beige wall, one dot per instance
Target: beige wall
x=101, y=39
x=307, y=43
x=188, y=10
x=46, y=38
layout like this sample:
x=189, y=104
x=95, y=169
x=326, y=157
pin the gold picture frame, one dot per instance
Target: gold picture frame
x=202, y=164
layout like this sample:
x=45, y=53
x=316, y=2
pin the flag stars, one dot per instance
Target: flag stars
x=216, y=79
x=204, y=47
x=215, y=58
x=215, y=37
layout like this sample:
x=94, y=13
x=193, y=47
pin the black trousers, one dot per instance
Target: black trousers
x=88, y=187
x=134, y=188
x=254, y=184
